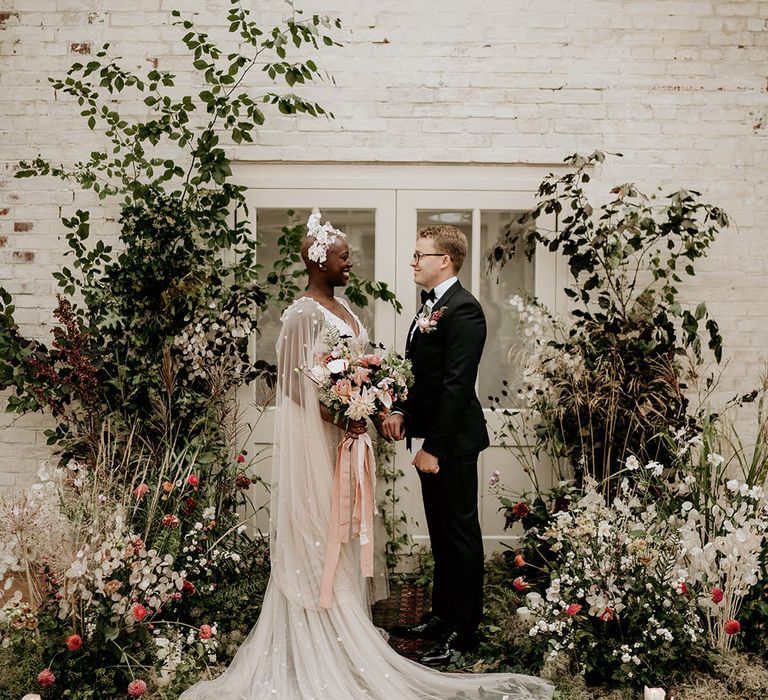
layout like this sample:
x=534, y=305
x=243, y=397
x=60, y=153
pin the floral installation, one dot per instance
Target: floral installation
x=95, y=572
x=427, y=320
x=357, y=386
x=217, y=336
x=632, y=584
x=325, y=236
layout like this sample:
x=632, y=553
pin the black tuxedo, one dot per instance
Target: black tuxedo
x=443, y=408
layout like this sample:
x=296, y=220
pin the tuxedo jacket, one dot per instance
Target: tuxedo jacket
x=442, y=406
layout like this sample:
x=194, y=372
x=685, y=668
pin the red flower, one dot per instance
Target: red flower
x=167, y=486
x=46, y=678
x=140, y=490
x=732, y=627
x=573, y=609
x=205, y=632
x=520, y=509
x=189, y=506
x=139, y=612
x=171, y=521
x=607, y=614
x=137, y=688
x=242, y=482
x=520, y=584
x=681, y=588
x=193, y=480
x=189, y=587
x=74, y=642
x=519, y=560
x=717, y=595
x=241, y=458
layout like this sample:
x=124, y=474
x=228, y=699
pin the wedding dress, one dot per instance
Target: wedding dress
x=297, y=649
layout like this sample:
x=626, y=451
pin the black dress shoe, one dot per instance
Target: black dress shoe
x=429, y=627
x=449, y=650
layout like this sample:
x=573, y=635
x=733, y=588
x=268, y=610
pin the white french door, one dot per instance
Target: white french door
x=381, y=208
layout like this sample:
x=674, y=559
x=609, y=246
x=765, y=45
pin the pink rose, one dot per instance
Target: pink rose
x=140, y=490
x=46, y=678
x=573, y=609
x=137, y=688
x=368, y=360
x=732, y=627
x=206, y=632
x=362, y=375
x=344, y=388
x=74, y=642
x=717, y=595
x=520, y=584
x=139, y=612
x=241, y=458
x=193, y=480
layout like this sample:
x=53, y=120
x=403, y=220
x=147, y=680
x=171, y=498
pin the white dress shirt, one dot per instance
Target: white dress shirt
x=440, y=289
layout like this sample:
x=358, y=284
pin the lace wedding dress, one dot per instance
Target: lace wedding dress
x=297, y=649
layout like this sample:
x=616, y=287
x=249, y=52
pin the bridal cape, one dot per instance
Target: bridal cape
x=298, y=650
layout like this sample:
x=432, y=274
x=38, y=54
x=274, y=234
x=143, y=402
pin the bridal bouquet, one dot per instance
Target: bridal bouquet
x=355, y=385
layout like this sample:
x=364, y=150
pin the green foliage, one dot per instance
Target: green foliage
x=628, y=329
x=187, y=258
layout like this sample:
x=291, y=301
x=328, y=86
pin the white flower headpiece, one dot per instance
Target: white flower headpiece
x=325, y=236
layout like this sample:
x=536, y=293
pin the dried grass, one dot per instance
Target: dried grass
x=736, y=677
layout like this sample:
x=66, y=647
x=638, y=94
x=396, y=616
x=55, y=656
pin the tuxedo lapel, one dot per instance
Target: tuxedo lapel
x=439, y=303
x=410, y=335
x=443, y=300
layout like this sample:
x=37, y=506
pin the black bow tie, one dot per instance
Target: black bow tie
x=427, y=296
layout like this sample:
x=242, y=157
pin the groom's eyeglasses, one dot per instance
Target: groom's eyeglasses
x=418, y=256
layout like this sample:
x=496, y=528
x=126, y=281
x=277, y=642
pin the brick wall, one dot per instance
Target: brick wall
x=681, y=88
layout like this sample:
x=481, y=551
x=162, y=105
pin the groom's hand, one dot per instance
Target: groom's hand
x=425, y=462
x=393, y=426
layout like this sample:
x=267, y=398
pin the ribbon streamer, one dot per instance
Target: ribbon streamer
x=354, y=474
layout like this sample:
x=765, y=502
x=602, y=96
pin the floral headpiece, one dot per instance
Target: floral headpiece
x=325, y=236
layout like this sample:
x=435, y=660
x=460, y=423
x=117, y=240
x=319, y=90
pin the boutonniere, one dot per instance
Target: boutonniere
x=427, y=322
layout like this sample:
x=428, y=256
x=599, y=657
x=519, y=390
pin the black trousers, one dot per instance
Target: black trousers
x=450, y=504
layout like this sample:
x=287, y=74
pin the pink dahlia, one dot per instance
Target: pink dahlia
x=137, y=688
x=46, y=678
x=74, y=642
x=139, y=612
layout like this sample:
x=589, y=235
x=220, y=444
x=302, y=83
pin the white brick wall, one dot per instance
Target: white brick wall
x=681, y=88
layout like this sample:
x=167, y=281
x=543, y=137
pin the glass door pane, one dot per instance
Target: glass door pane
x=517, y=277
x=462, y=220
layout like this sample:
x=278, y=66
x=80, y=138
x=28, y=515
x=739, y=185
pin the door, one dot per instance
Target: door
x=381, y=225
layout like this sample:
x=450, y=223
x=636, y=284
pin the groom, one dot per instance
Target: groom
x=443, y=421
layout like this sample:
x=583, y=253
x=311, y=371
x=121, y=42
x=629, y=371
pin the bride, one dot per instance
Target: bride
x=301, y=649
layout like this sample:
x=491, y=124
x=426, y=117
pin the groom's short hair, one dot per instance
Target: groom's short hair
x=449, y=240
